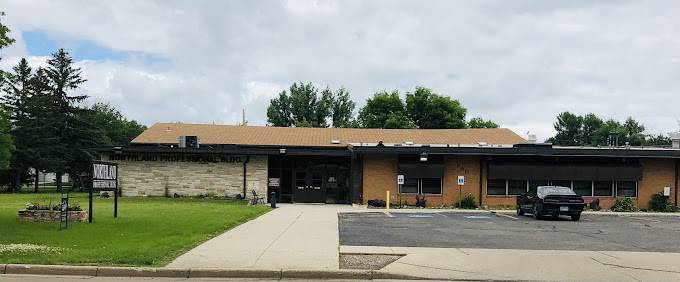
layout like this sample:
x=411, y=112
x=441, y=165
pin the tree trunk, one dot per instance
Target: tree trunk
x=17, y=180
x=58, y=180
x=37, y=181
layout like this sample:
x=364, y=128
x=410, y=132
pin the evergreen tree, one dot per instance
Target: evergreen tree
x=72, y=131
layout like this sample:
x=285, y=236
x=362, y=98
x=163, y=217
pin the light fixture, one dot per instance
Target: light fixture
x=423, y=157
x=282, y=151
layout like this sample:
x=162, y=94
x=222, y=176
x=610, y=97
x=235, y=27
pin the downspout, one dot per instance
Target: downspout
x=245, y=171
x=481, y=170
x=677, y=170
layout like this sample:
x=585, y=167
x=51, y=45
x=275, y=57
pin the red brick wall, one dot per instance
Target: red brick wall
x=380, y=174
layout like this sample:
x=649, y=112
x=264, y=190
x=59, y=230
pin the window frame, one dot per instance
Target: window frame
x=419, y=186
x=616, y=192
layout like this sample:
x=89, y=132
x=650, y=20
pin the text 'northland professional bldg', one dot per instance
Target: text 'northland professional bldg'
x=347, y=165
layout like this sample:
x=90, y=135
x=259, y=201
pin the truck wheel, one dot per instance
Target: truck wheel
x=576, y=216
x=520, y=211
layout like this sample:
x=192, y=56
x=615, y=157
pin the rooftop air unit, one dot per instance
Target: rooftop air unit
x=675, y=139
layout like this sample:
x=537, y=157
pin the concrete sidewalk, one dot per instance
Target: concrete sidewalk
x=534, y=265
x=295, y=236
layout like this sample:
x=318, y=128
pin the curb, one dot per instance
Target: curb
x=233, y=273
x=106, y=271
x=50, y=270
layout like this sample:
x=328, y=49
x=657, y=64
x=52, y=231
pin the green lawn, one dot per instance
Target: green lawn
x=148, y=231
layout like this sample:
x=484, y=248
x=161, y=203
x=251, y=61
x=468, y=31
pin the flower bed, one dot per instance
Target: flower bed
x=51, y=216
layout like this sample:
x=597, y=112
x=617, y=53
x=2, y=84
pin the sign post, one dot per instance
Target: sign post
x=64, y=211
x=400, y=181
x=461, y=182
x=104, y=178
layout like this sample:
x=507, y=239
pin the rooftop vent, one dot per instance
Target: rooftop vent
x=335, y=141
x=532, y=138
x=675, y=139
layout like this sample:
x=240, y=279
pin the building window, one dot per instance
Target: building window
x=410, y=186
x=429, y=186
x=535, y=183
x=626, y=189
x=603, y=188
x=583, y=188
x=562, y=183
x=496, y=187
x=517, y=187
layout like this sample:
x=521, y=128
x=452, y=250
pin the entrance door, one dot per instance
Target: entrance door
x=308, y=187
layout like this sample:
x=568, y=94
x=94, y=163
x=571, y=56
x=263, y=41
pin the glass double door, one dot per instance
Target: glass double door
x=309, y=186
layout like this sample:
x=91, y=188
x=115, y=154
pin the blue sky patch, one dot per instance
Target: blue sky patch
x=41, y=43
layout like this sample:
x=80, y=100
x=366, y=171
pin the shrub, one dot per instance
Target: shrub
x=661, y=203
x=468, y=202
x=624, y=205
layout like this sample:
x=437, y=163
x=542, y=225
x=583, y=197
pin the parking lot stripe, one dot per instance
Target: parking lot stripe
x=442, y=214
x=388, y=214
x=508, y=216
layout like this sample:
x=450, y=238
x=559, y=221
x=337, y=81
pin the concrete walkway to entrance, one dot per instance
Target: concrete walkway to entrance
x=293, y=236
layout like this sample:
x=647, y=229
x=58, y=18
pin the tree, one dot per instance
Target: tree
x=385, y=110
x=343, y=107
x=78, y=136
x=303, y=104
x=5, y=41
x=114, y=127
x=15, y=110
x=323, y=109
x=6, y=144
x=430, y=110
x=278, y=112
x=305, y=107
x=589, y=128
x=481, y=123
x=568, y=127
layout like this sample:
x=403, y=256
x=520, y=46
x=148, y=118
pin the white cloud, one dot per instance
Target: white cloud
x=517, y=62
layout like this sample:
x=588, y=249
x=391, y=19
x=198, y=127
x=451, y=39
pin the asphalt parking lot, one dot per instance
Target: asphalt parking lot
x=494, y=231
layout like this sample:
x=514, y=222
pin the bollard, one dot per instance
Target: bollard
x=272, y=199
x=387, y=203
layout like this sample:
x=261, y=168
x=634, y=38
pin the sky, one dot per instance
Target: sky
x=519, y=63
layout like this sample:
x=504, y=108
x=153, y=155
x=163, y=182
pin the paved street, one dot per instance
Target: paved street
x=475, y=230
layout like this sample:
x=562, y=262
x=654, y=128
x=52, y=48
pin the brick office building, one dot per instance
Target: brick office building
x=342, y=165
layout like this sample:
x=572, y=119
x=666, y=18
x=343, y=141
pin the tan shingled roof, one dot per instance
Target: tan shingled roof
x=168, y=133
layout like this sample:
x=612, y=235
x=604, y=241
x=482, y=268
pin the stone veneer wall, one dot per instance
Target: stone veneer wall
x=153, y=178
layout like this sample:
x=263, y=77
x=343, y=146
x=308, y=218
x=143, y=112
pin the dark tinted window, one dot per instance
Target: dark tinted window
x=535, y=183
x=583, y=188
x=410, y=186
x=626, y=189
x=603, y=188
x=517, y=187
x=495, y=187
x=431, y=185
